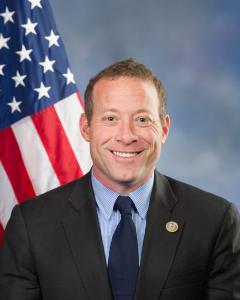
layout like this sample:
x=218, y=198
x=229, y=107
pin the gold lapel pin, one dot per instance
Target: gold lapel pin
x=172, y=226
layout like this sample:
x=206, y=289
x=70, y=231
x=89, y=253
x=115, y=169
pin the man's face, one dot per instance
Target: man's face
x=125, y=132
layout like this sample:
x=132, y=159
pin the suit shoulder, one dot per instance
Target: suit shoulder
x=194, y=196
x=55, y=200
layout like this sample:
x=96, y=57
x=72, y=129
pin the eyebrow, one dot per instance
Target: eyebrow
x=110, y=110
x=136, y=112
x=143, y=111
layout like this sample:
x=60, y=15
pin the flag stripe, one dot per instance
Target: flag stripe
x=1, y=234
x=69, y=111
x=14, y=166
x=80, y=99
x=35, y=158
x=8, y=199
x=56, y=145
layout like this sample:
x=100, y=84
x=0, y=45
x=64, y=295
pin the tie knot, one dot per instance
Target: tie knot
x=124, y=205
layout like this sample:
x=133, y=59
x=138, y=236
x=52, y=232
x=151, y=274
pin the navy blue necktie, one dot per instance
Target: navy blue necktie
x=123, y=263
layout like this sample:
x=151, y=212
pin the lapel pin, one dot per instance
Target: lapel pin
x=171, y=226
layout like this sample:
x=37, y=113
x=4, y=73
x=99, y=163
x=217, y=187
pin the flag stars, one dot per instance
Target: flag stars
x=24, y=54
x=19, y=79
x=35, y=3
x=42, y=91
x=52, y=39
x=1, y=69
x=3, y=42
x=69, y=76
x=14, y=105
x=29, y=27
x=8, y=16
x=47, y=64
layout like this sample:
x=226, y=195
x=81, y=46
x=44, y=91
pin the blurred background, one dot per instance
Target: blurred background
x=194, y=48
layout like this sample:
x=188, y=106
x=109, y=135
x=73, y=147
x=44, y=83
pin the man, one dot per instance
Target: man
x=123, y=231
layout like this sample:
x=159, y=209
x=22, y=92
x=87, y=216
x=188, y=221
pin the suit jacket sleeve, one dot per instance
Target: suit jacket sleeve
x=18, y=278
x=224, y=274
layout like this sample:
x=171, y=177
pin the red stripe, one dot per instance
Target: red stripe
x=80, y=99
x=13, y=164
x=1, y=234
x=56, y=144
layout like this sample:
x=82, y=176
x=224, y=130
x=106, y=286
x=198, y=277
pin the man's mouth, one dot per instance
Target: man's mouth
x=125, y=154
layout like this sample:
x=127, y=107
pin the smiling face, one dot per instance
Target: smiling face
x=125, y=132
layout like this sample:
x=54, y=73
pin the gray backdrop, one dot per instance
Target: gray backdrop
x=194, y=47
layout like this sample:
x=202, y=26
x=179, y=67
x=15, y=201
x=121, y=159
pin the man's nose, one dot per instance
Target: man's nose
x=126, y=133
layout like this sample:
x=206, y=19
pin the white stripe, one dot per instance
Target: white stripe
x=69, y=111
x=8, y=199
x=34, y=155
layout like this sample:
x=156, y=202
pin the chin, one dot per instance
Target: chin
x=128, y=179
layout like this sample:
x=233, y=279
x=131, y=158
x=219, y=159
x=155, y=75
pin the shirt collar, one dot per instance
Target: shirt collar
x=106, y=197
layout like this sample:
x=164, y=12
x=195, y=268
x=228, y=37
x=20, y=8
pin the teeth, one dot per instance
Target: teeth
x=125, y=154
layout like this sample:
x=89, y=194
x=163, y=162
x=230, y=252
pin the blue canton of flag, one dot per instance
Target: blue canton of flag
x=34, y=70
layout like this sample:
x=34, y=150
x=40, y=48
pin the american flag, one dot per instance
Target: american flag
x=40, y=142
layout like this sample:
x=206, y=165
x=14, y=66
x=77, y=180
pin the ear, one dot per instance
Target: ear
x=165, y=128
x=84, y=127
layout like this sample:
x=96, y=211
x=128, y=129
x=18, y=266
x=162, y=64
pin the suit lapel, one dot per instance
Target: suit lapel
x=84, y=237
x=160, y=245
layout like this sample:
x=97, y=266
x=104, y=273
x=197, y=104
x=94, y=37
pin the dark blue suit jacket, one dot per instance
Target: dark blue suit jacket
x=53, y=248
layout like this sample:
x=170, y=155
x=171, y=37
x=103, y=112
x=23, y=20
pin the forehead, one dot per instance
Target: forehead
x=125, y=91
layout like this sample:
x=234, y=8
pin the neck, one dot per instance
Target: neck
x=122, y=187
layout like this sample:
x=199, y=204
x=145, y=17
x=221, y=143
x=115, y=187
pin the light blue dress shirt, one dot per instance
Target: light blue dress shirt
x=109, y=218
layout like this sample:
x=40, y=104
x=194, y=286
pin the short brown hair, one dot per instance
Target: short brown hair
x=126, y=68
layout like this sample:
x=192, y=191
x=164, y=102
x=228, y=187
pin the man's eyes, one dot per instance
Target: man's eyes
x=144, y=120
x=110, y=118
x=140, y=120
